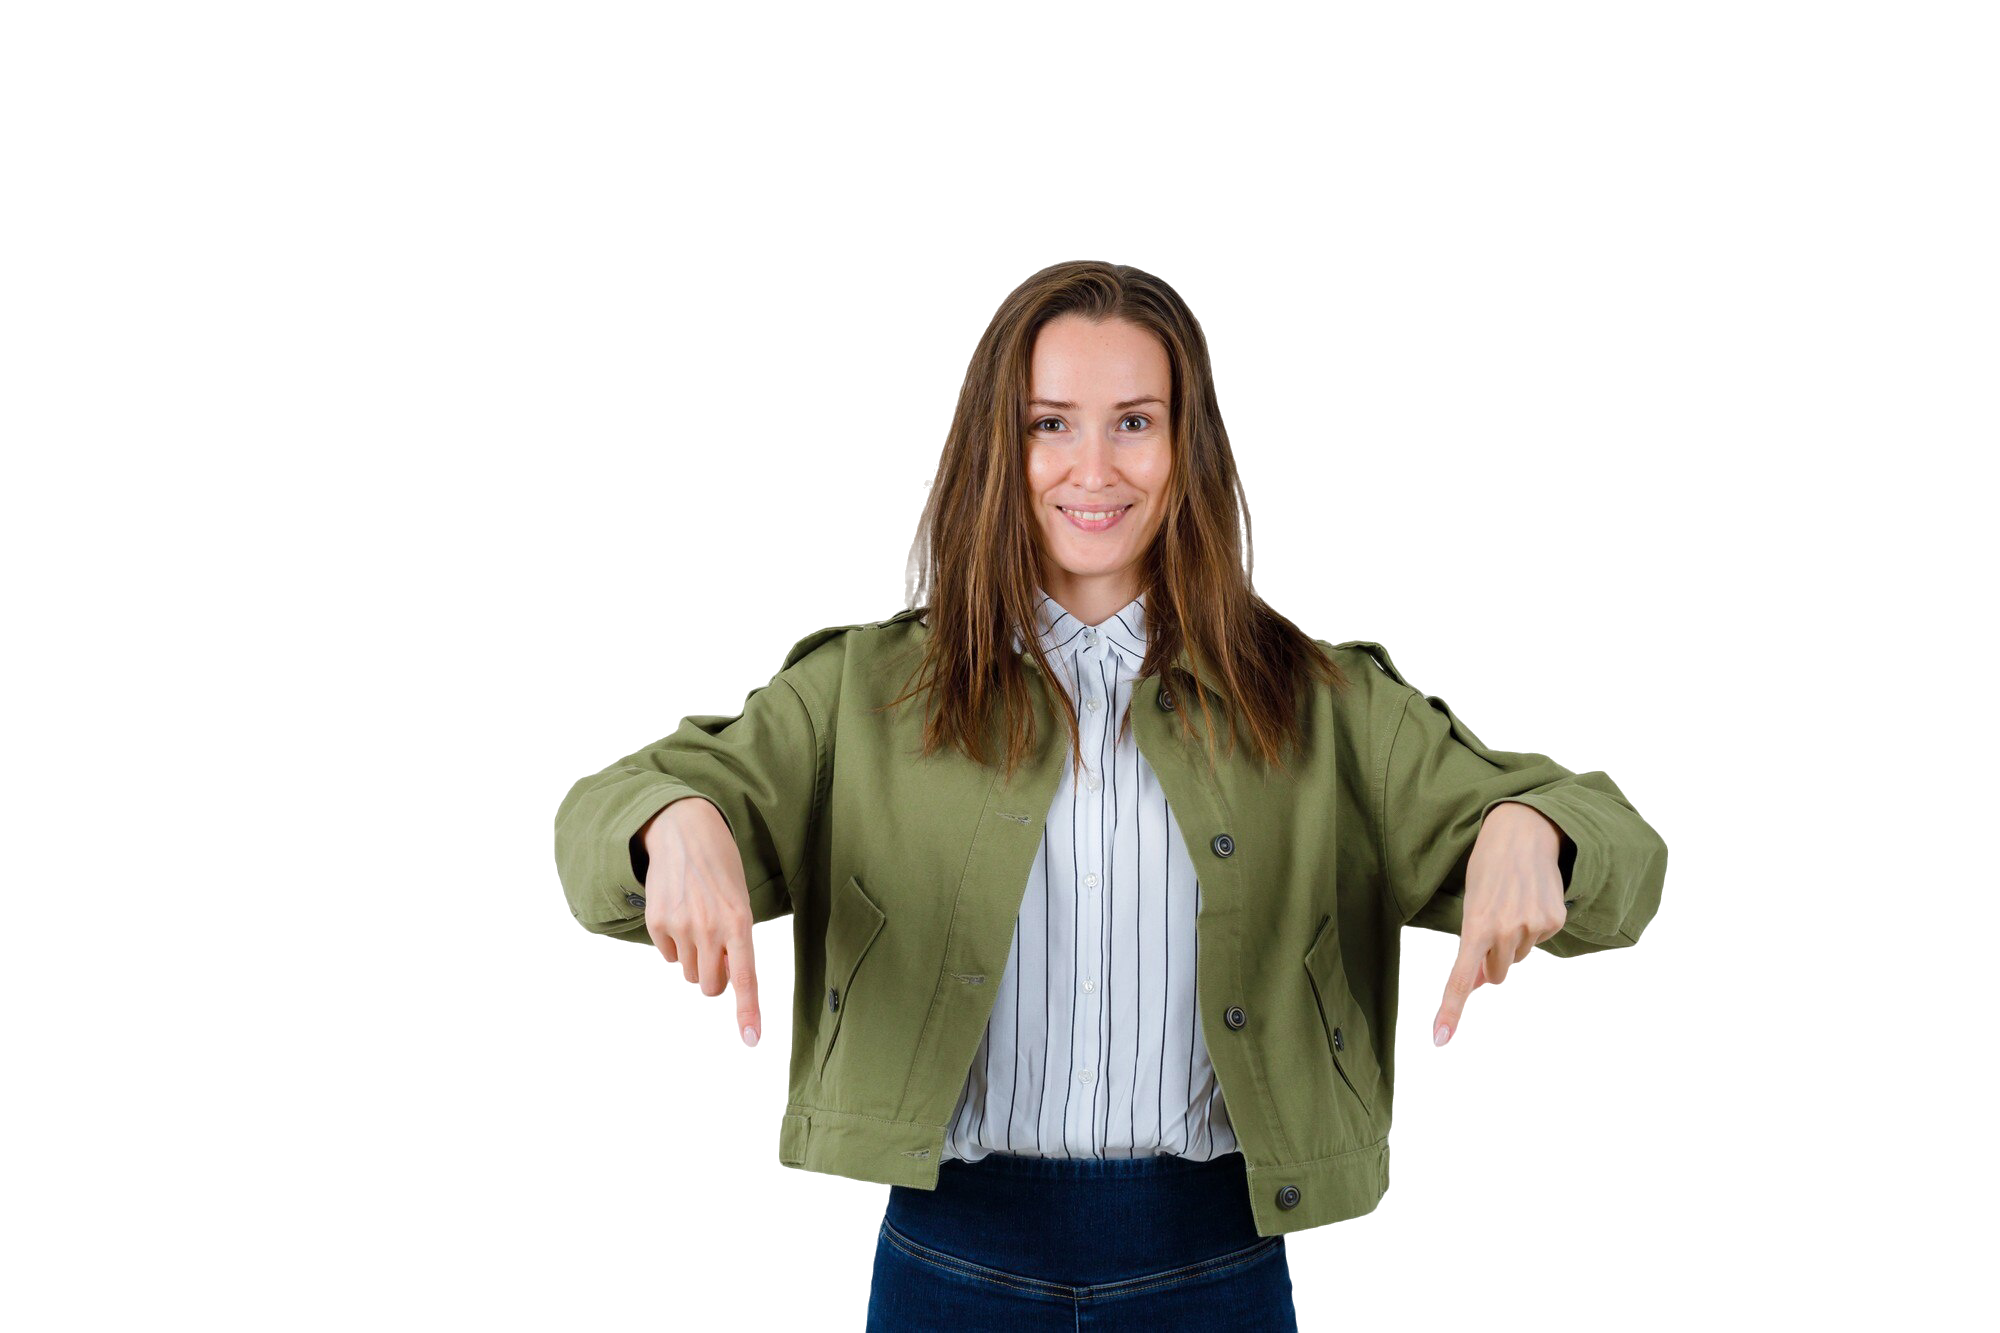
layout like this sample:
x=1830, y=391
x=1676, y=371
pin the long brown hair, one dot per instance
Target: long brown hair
x=976, y=561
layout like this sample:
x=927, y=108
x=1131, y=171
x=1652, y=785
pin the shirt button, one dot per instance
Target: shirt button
x=1222, y=844
x=1288, y=1197
x=1089, y=986
x=1091, y=704
x=1085, y=1075
x=1091, y=879
x=1094, y=782
x=1234, y=1016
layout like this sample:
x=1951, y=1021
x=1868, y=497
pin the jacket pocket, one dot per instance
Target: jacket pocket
x=852, y=924
x=1345, y=1032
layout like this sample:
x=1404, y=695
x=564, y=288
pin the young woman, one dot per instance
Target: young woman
x=1098, y=863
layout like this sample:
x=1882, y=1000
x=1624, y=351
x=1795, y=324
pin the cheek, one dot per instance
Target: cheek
x=1044, y=470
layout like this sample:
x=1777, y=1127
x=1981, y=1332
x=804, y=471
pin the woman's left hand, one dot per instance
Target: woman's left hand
x=1513, y=901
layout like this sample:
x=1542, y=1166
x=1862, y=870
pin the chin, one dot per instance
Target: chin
x=1096, y=565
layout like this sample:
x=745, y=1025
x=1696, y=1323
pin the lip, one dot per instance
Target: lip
x=1100, y=526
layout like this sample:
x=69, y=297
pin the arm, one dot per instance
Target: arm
x=762, y=768
x=1438, y=780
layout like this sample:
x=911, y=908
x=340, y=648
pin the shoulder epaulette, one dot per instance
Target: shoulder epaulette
x=1379, y=653
x=820, y=636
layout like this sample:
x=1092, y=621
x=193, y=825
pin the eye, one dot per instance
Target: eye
x=1056, y=423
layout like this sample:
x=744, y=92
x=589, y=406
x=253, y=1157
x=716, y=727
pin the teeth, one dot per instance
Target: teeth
x=1090, y=516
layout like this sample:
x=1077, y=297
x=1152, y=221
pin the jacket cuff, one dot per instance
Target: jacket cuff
x=1613, y=884
x=1581, y=861
x=767, y=901
x=615, y=902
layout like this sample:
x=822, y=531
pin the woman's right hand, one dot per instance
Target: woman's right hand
x=698, y=904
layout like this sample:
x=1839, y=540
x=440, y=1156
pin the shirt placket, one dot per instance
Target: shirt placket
x=1090, y=940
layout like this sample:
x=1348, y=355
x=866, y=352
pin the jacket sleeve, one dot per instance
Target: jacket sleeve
x=762, y=768
x=1437, y=782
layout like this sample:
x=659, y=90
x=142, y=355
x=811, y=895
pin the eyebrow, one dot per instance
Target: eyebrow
x=1067, y=407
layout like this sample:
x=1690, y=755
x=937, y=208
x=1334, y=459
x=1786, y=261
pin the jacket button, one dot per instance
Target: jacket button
x=1336, y=1041
x=1222, y=844
x=1166, y=699
x=635, y=900
x=833, y=997
x=1288, y=1197
x=1234, y=1016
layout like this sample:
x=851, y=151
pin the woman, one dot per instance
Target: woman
x=1109, y=1004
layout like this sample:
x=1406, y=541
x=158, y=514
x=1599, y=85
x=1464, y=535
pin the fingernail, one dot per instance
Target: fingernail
x=1442, y=1035
x=749, y=1036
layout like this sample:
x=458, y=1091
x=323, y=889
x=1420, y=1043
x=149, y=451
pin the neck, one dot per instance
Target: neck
x=1092, y=598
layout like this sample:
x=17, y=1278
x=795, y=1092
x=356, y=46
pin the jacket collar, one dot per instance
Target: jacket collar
x=1209, y=680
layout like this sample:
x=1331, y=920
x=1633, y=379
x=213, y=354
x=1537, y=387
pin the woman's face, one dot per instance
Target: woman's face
x=1100, y=438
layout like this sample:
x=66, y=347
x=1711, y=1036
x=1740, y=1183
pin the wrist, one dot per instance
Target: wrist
x=1524, y=820
x=654, y=829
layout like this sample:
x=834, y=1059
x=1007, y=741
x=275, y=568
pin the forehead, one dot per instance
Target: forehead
x=1076, y=360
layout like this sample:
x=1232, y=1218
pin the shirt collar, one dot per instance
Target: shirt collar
x=1062, y=634
x=1130, y=627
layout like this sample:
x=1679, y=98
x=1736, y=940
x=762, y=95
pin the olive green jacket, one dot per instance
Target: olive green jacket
x=905, y=875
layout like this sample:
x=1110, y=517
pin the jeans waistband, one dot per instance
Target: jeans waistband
x=1081, y=1220
x=1096, y=1168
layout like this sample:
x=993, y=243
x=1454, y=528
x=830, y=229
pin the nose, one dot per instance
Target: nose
x=1095, y=462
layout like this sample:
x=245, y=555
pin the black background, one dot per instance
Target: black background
x=1489, y=461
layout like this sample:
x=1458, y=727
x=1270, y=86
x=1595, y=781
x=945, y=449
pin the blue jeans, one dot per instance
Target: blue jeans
x=1031, y=1243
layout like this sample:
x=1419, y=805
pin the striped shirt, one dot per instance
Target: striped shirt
x=1094, y=1048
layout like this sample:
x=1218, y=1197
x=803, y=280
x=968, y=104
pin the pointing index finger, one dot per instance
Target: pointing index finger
x=1467, y=975
x=741, y=960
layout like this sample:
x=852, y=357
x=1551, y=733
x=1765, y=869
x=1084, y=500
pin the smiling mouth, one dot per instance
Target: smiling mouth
x=1110, y=519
